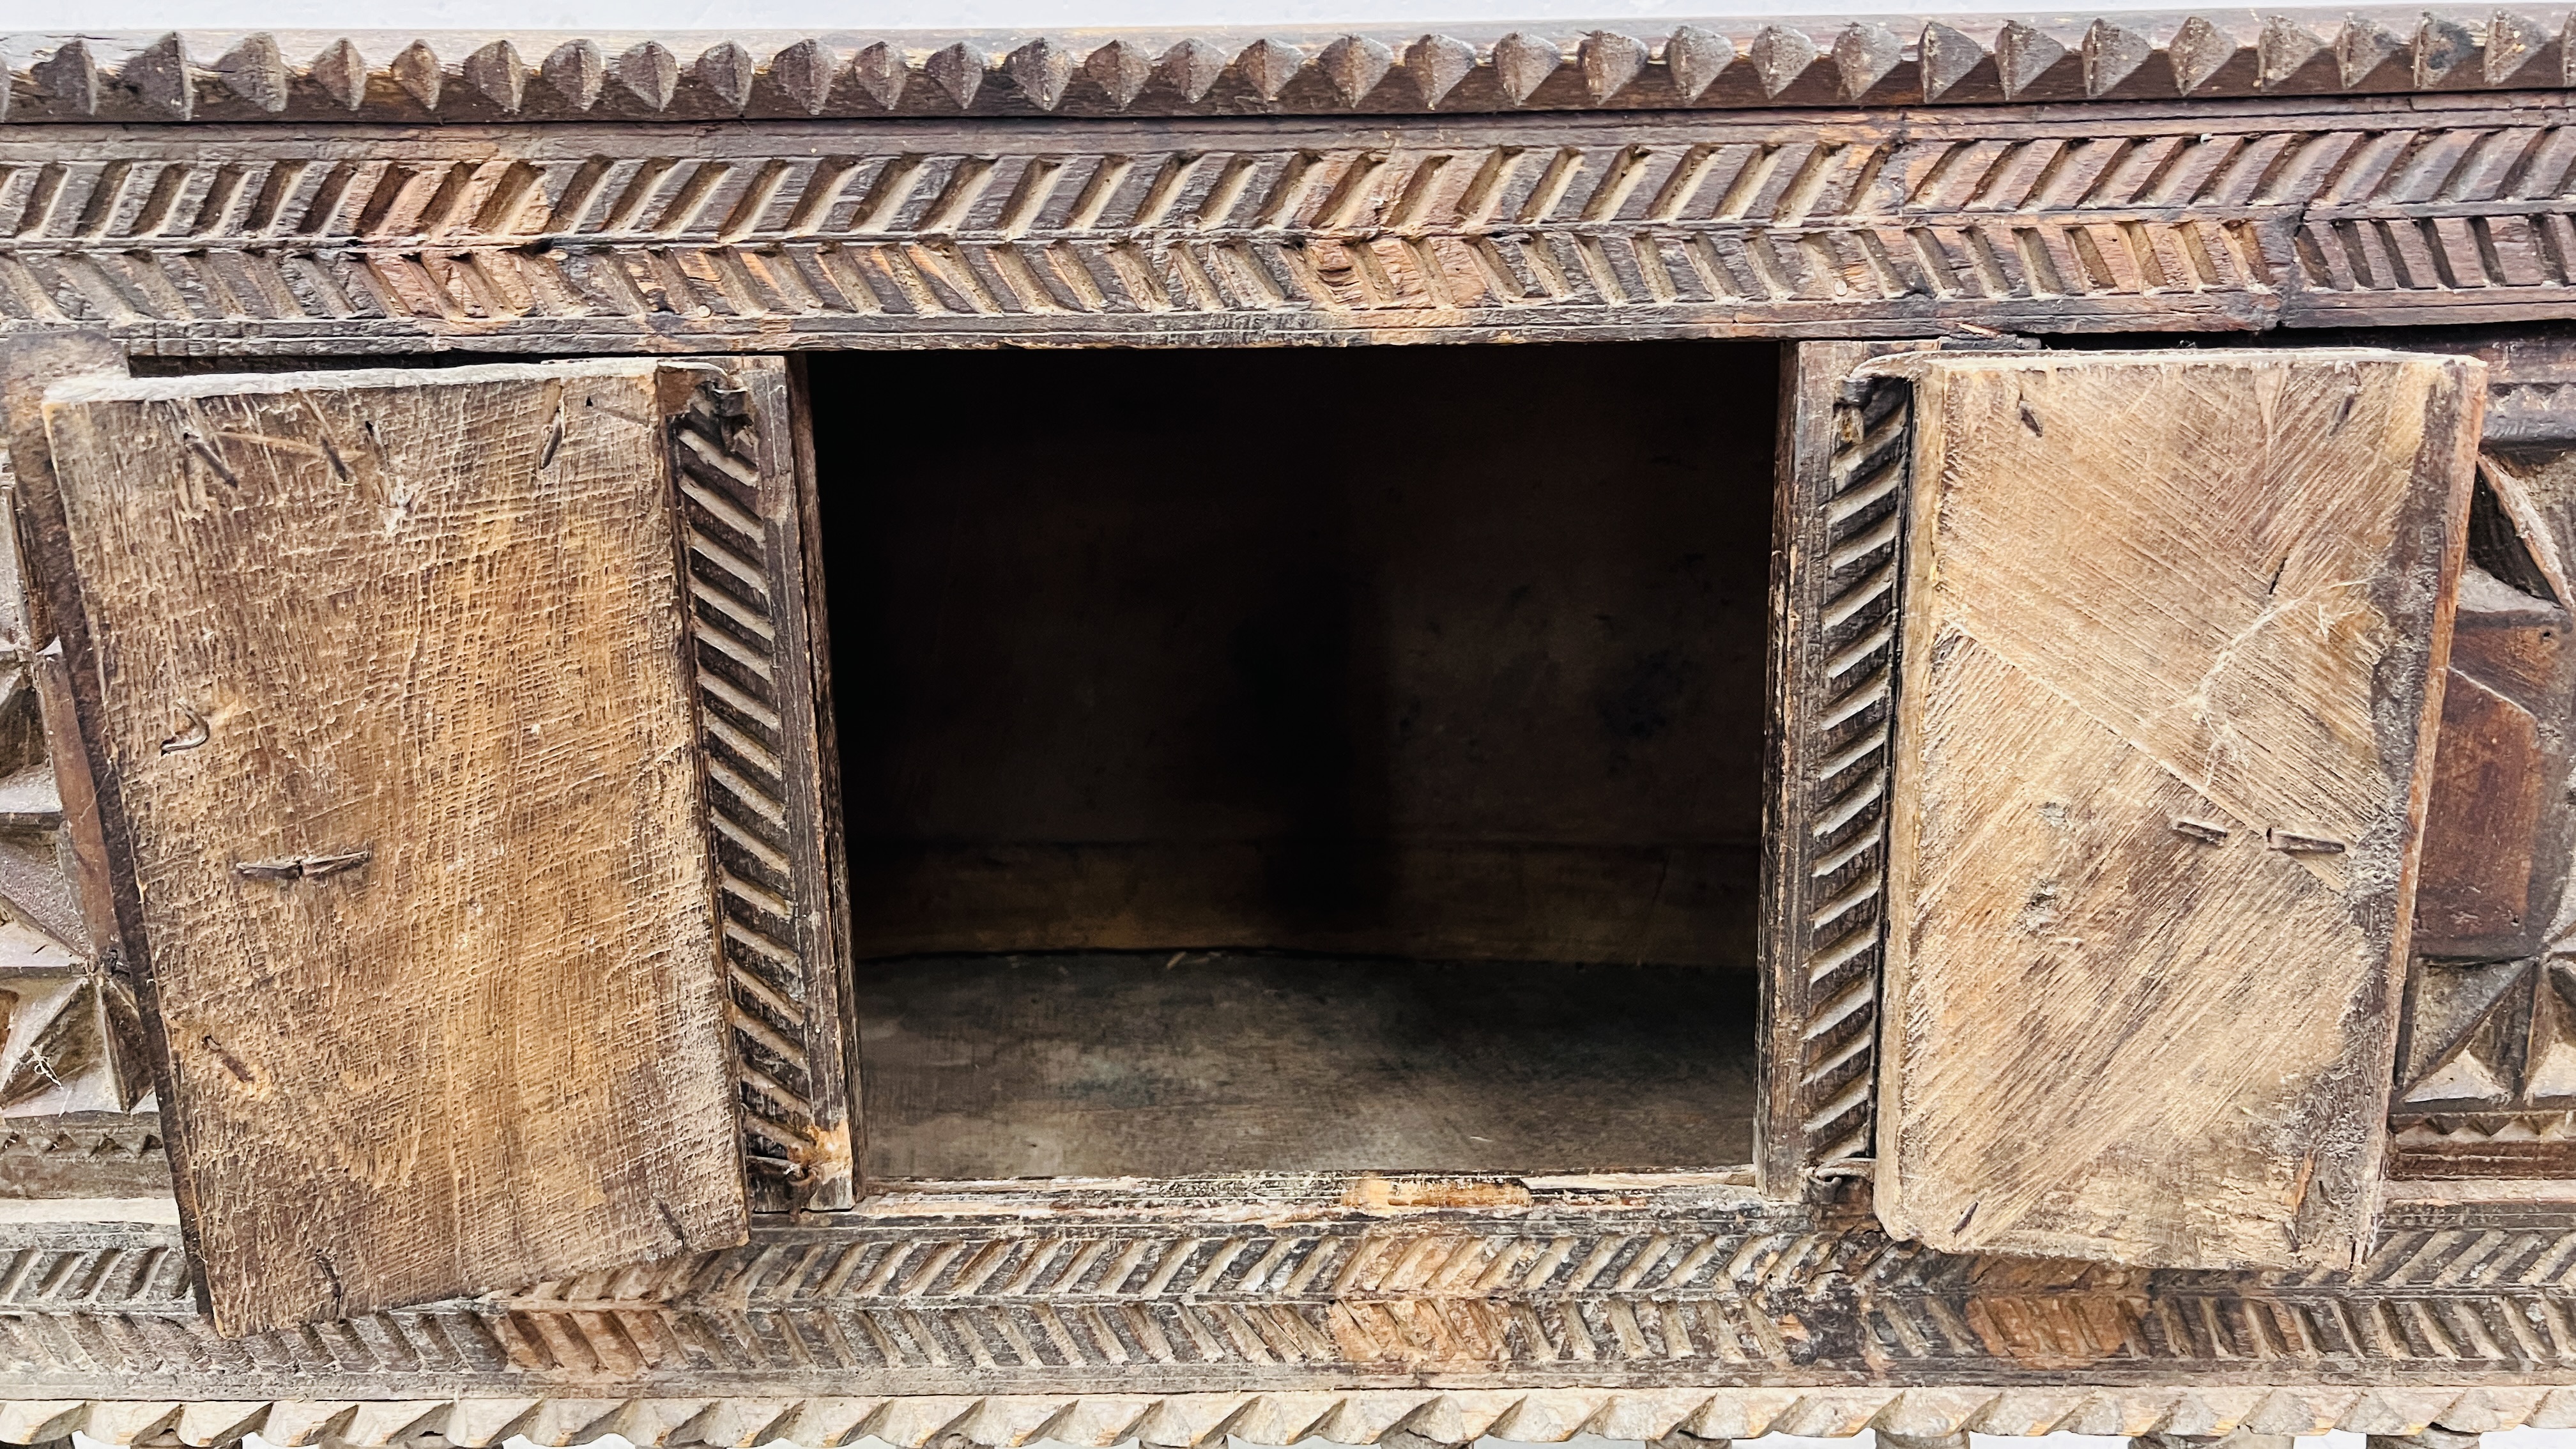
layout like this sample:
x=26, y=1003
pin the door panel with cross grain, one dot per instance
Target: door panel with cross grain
x=2174, y=632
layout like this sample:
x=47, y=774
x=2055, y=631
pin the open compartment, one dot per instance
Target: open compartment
x=1301, y=759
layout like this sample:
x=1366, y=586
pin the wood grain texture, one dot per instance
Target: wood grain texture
x=434, y=876
x=2175, y=629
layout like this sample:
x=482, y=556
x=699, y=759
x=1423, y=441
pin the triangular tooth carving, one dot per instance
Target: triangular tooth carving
x=70, y=75
x=255, y=70
x=650, y=74
x=2363, y=46
x=1354, y=65
x=341, y=73
x=958, y=71
x=495, y=73
x=1780, y=55
x=2461, y=1079
x=1121, y=71
x=1193, y=67
x=2553, y=1077
x=2022, y=55
x=726, y=71
x=881, y=71
x=1863, y=55
x=575, y=71
x=1522, y=63
x=1695, y=57
x=2513, y=41
x=2441, y=47
x=416, y=71
x=158, y=76
x=1268, y=65
x=53, y=1039
x=803, y=73
x=2112, y=55
x=1437, y=63
x=1042, y=69
x=2285, y=50
x=2199, y=50
x=1609, y=62
x=1948, y=56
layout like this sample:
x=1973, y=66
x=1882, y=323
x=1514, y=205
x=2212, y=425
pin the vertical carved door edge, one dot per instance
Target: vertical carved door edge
x=742, y=461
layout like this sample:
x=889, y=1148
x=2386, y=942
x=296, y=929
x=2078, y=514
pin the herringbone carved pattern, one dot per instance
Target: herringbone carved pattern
x=551, y=238
x=1567, y=1301
x=1844, y=849
x=728, y=453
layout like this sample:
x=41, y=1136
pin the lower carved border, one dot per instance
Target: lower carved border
x=1179, y=1421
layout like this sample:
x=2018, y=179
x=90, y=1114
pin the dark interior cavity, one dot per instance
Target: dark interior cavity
x=1414, y=695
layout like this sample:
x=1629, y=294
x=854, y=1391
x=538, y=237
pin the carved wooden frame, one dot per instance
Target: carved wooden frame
x=1273, y=1309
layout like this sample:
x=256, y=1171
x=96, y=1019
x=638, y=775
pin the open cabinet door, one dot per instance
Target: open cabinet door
x=389, y=701
x=2174, y=631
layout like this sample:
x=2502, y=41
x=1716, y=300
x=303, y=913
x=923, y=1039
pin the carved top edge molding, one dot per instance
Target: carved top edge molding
x=1717, y=63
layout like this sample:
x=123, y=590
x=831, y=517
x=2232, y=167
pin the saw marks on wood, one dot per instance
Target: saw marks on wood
x=2173, y=629
x=396, y=710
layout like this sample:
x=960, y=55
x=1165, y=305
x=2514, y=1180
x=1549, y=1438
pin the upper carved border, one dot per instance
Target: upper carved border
x=1715, y=63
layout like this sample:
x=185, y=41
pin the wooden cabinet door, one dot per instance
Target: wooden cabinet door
x=396, y=757
x=2174, y=631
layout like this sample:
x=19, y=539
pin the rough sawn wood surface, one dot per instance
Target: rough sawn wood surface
x=394, y=695
x=2174, y=634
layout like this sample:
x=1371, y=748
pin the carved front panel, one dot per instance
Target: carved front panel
x=2229, y=216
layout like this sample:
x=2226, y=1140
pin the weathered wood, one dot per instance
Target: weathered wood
x=2497, y=822
x=2226, y=215
x=401, y=857
x=773, y=802
x=1323, y=1302
x=1839, y=465
x=2174, y=635
x=1714, y=62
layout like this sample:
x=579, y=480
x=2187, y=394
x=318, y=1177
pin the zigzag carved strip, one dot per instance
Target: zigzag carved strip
x=451, y=76
x=733, y=454
x=569, y=237
x=1150, y=1304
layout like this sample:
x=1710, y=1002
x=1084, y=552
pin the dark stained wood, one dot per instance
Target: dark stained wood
x=1439, y=681
x=2174, y=634
x=401, y=859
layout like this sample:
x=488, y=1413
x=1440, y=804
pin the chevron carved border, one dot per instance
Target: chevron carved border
x=741, y=500
x=1590, y=1286
x=2229, y=215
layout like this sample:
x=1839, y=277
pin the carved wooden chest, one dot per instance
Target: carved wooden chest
x=1664, y=733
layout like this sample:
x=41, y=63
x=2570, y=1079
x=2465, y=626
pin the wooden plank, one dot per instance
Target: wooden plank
x=2174, y=634
x=427, y=910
